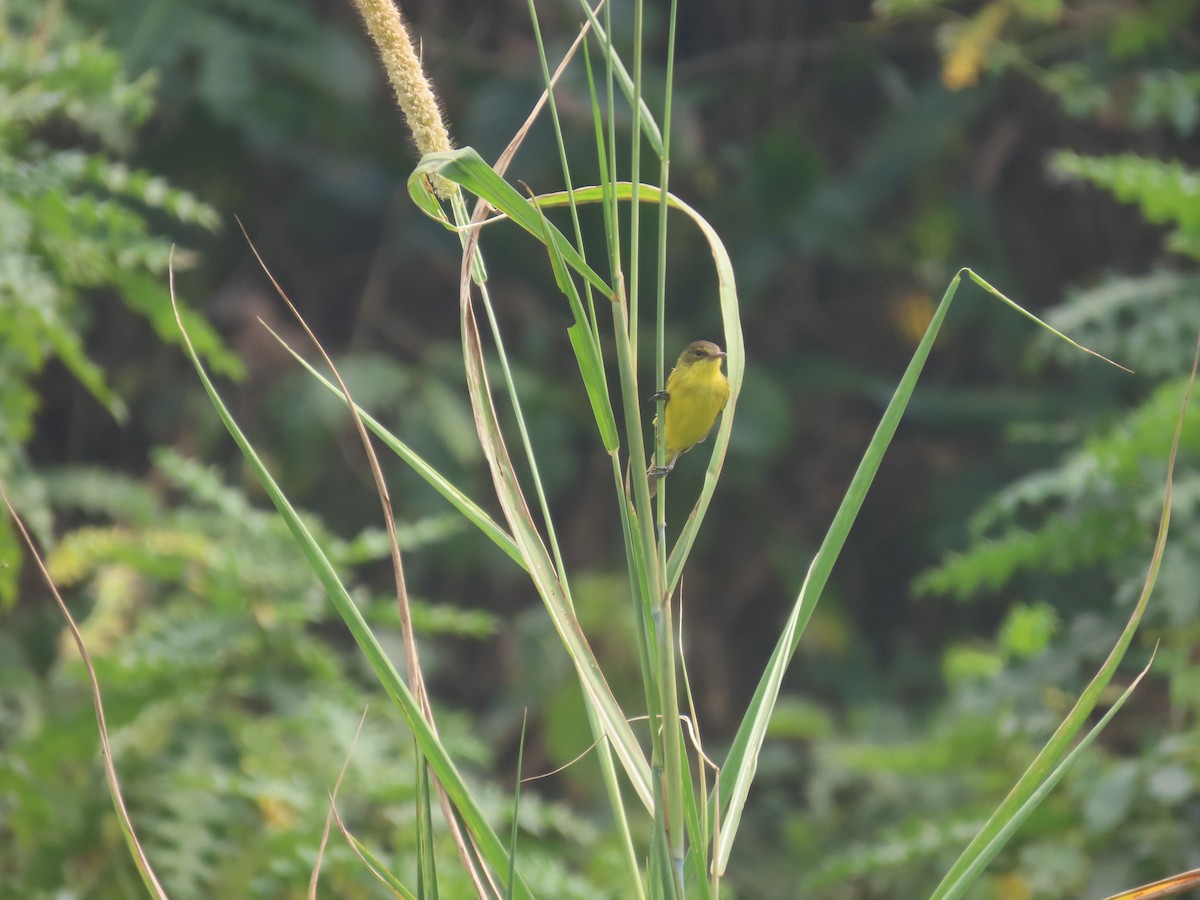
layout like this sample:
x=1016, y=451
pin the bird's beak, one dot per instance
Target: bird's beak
x=720, y=354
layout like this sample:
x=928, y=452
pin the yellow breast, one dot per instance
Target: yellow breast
x=698, y=393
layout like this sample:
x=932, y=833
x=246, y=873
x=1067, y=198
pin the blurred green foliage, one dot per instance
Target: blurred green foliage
x=1167, y=193
x=232, y=705
x=76, y=225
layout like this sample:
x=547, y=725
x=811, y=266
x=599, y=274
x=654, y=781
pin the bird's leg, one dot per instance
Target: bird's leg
x=659, y=395
x=661, y=471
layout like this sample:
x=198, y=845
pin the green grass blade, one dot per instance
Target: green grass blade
x=605, y=163
x=608, y=772
x=547, y=578
x=997, y=839
x=586, y=345
x=662, y=869
x=700, y=827
x=741, y=762
x=470, y=510
x=637, y=530
x=591, y=367
x=997, y=828
x=649, y=127
x=660, y=284
x=638, y=542
x=733, y=784
x=1058, y=334
x=676, y=774
x=563, y=156
x=427, y=886
x=633, y=281
x=443, y=766
x=471, y=254
x=696, y=876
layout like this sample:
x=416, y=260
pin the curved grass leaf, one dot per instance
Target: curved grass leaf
x=468, y=169
x=550, y=584
x=374, y=865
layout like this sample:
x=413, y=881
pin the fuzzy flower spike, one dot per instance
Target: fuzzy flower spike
x=413, y=90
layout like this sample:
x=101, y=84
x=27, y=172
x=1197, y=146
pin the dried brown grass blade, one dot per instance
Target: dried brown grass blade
x=110, y=770
x=312, y=881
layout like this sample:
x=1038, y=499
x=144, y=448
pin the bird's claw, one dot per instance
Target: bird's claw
x=659, y=395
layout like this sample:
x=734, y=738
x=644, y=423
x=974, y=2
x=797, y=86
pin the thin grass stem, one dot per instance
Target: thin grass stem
x=566, y=167
x=635, y=176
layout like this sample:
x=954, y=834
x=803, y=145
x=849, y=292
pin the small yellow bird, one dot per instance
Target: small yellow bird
x=696, y=393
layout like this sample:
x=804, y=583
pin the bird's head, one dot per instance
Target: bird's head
x=701, y=352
